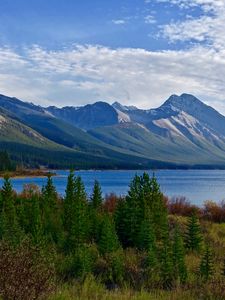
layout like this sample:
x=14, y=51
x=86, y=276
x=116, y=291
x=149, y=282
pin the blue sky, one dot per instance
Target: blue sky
x=133, y=51
x=118, y=23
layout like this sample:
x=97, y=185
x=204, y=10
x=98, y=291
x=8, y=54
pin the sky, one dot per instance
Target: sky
x=137, y=52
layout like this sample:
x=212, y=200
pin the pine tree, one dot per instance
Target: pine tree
x=78, y=231
x=49, y=193
x=180, y=270
x=52, y=223
x=120, y=221
x=194, y=236
x=206, y=265
x=95, y=211
x=166, y=264
x=69, y=201
x=10, y=229
x=154, y=205
x=146, y=237
x=108, y=241
x=134, y=211
x=158, y=210
x=36, y=226
x=96, y=198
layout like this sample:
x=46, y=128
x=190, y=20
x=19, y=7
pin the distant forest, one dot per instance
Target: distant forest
x=6, y=163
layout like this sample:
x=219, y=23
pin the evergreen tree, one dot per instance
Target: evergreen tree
x=180, y=270
x=10, y=229
x=194, y=236
x=78, y=231
x=146, y=237
x=69, y=201
x=51, y=217
x=206, y=265
x=134, y=211
x=95, y=211
x=154, y=206
x=5, y=162
x=108, y=241
x=49, y=194
x=96, y=198
x=36, y=226
x=166, y=264
x=158, y=210
x=120, y=221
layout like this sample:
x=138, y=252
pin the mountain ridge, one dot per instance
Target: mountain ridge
x=182, y=131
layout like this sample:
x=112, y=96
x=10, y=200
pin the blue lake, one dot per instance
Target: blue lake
x=196, y=185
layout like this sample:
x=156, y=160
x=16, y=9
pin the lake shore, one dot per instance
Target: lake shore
x=27, y=173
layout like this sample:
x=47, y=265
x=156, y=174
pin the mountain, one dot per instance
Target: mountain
x=32, y=135
x=87, y=117
x=182, y=132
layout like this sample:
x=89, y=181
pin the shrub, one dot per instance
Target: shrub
x=181, y=206
x=110, y=203
x=78, y=264
x=214, y=212
x=26, y=273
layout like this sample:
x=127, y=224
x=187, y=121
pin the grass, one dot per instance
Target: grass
x=92, y=289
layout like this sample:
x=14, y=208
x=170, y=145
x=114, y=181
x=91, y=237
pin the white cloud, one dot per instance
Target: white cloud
x=149, y=19
x=208, y=28
x=119, y=22
x=85, y=74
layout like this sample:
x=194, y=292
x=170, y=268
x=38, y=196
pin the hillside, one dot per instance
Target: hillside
x=182, y=132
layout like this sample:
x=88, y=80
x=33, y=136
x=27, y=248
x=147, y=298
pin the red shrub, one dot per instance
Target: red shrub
x=110, y=203
x=214, y=212
x=181, y=206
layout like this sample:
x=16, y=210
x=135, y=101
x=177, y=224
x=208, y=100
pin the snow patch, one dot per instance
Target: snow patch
x=122, y=117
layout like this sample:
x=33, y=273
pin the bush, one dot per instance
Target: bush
x=26, y=273
x=110, y=203
x=181, y=206
x=214, y=212
x=110, y=269
x=78, y=264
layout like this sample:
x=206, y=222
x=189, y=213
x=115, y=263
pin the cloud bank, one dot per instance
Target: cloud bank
x=87, y=73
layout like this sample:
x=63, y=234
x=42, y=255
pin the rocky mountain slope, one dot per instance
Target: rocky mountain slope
x=181, y=132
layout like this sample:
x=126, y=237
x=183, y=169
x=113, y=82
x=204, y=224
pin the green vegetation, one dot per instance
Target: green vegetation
x=118, y=248
x=5, y=162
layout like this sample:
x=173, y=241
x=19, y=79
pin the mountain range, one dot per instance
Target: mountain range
x=182, y=133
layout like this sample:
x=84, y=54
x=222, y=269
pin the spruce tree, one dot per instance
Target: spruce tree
x=146, y=237
x=206, y=265
x=95, y=211
x=52, y=223
x=10, y=229
x=108, y=241
x=194, y=236
x=134, y=211
x=166, y=264
x=96, y=197
x=154, y=205
x=79, y=225
x=49, y=193
x=68, y=201
x=180, y=270
x=36, y=226
x=158, y=210
x=120, y=221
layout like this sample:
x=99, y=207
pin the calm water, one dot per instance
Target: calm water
x=196, y=185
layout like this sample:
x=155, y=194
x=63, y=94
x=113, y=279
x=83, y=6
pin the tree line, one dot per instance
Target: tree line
x=133, y=244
